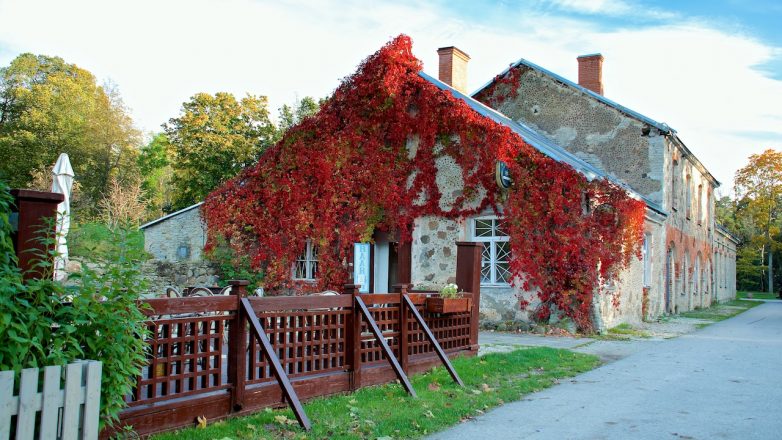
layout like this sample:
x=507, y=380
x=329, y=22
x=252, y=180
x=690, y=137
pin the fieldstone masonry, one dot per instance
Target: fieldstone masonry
x=177, y=237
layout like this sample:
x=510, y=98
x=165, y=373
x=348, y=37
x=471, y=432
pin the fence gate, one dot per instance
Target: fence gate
x=51, y=411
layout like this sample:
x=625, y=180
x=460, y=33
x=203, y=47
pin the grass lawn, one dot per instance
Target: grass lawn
x=741, y=294
x=387, y=412
x=94, y=239
x=720, y=312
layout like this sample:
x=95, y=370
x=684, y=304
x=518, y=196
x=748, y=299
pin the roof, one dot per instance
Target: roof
x=541, y=143
x=727, y=233
x=661, y=126
x=173, y=214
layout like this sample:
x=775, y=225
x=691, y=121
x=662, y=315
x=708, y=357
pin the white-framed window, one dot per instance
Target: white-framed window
x=306, y=266
x=647, y=260
x=495, y=259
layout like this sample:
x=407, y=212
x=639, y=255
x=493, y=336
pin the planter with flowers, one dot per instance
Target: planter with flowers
x=449, y=301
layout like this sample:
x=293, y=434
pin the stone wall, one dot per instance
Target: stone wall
x=654, y=163
x=162, y=274
x=620, y=146
x=180, y=237
x=434, y=263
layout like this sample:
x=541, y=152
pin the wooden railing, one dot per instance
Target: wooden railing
x=203, y=362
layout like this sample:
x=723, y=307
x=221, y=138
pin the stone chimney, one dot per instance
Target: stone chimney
x=453, y=67
x=590, y=72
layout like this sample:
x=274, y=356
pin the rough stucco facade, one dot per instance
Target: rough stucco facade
x=724, y=276
x=652, y=160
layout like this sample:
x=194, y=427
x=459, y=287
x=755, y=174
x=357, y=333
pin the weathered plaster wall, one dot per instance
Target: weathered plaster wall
x=162, y=240
x=724, y=277
x=689, y=231
x=619, y=145
x=655, y=232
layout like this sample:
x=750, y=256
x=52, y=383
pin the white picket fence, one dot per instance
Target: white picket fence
x=68, y=412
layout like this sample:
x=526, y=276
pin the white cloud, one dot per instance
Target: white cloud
x=698, y=79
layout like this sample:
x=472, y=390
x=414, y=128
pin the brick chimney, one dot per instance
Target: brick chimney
x=590, y=72
x=453, y=67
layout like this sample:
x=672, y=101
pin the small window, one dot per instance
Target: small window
x=495, y=259
x=688, y=197
x=306, y=267
x=647, y=260
x=183, y=251
x=700, y=204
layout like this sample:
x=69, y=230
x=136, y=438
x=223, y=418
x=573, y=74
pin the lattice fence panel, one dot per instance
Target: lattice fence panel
x=185, y=358
x=307, y=342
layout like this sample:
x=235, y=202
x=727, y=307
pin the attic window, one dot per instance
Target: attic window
x=645, y=130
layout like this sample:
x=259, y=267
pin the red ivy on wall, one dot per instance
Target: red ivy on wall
x=347, y=171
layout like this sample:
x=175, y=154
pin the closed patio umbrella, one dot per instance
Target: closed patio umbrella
x=62, y=183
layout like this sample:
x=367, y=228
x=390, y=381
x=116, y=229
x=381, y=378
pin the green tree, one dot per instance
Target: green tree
x=759, y=200
x=214, y=137
x=291, y=115
x=154, y=163
x=48, y=107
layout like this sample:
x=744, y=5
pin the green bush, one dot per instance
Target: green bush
x=43, y=323
x=86, y=240
x=232, y=266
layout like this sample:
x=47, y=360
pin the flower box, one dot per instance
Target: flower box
x=436, y=304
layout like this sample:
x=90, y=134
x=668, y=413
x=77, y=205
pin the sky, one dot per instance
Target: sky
x=712, y=70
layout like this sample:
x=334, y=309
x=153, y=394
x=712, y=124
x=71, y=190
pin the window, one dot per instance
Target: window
x=688, y=197
x=306, y=267
x=700, y=204
x=647, y=261
x=673, y=183
x=495, y=258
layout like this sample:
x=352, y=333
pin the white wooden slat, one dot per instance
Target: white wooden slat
x=73, y=400
x=6, y=400
x=92, y=401
x=51, y=402
x=28, y=389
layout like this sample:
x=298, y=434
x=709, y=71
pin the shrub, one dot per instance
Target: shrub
x=99, y=319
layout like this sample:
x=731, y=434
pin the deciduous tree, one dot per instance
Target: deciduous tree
x=48, y=107
x=759, y=196
x=214, y=137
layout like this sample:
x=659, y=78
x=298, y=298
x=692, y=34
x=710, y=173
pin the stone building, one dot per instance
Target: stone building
x=690, y=260
x=176, y=237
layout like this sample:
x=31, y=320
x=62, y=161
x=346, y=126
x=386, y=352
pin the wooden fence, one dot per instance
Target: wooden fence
x=203, y=362
x=55, y=412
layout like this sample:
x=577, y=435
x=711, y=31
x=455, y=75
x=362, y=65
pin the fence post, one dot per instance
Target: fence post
x=237, y=346
x=404, y=323
x=353, y=337
x=468, y=278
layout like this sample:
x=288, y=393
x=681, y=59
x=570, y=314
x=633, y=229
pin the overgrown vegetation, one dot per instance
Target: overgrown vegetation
x=86, y=240
x=42, y=323
x=742, y=294
x=388, y=412
x=722, y=311
x=369, y=160
x=232, y=266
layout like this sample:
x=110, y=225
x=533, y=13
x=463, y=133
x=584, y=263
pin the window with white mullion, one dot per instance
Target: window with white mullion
x=306, y=267
x=495, y=258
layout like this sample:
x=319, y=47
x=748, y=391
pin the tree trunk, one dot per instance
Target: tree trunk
x=770, y=271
